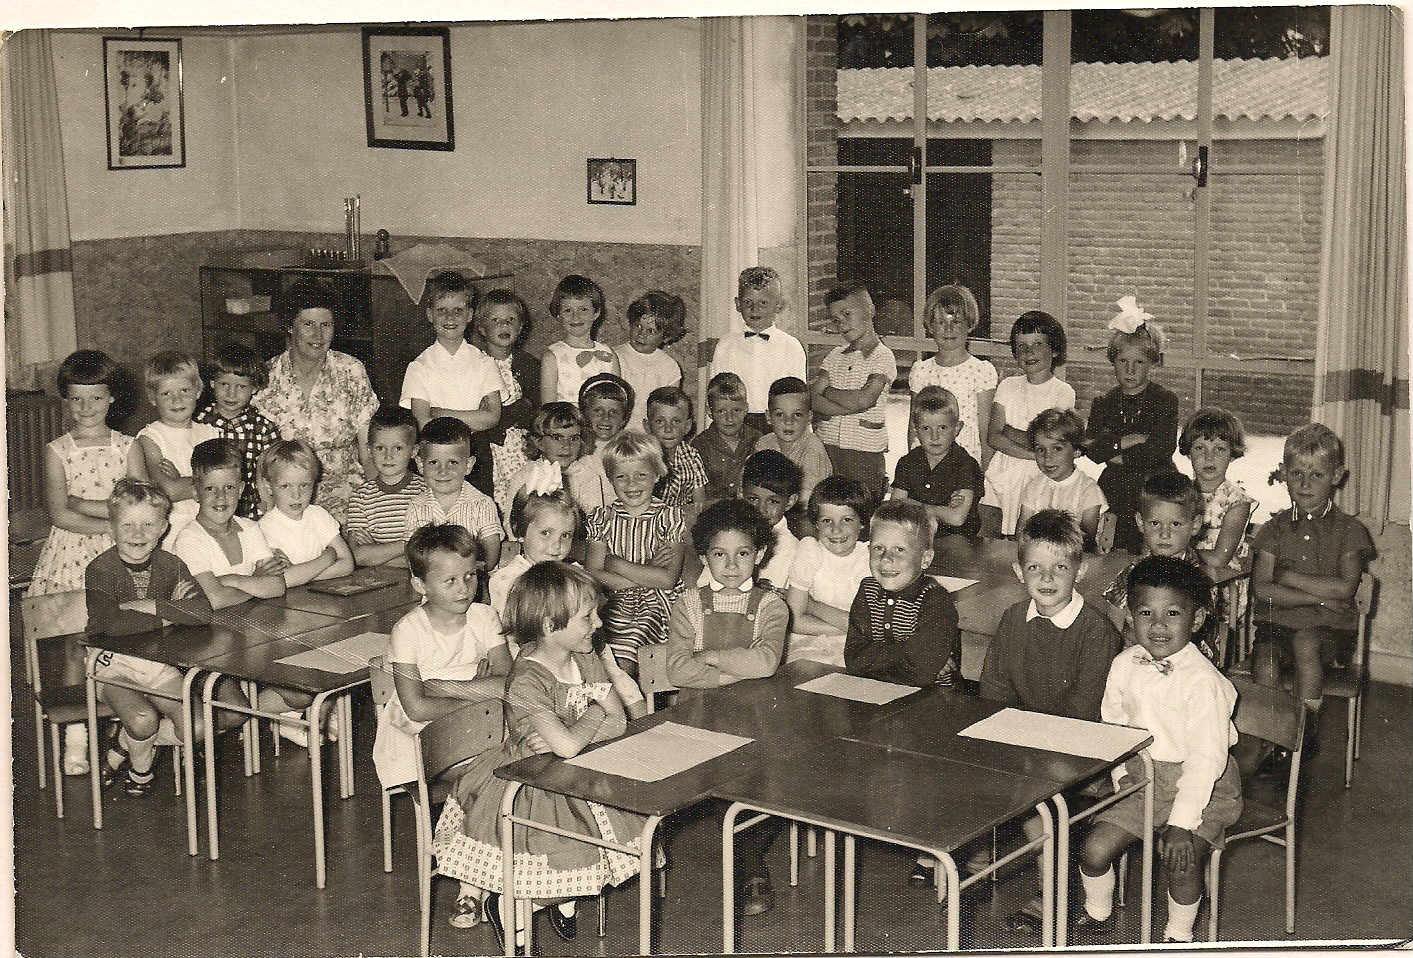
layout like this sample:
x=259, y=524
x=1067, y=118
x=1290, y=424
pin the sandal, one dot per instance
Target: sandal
x=1023, y=922
x=467, y=913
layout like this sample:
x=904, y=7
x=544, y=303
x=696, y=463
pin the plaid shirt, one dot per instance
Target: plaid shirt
x=253, y=433
x=685, y=473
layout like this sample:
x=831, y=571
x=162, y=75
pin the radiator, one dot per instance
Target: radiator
x=32, y=420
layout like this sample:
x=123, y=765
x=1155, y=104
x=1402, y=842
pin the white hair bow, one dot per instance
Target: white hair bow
x=543, y=477
x=1131, y=316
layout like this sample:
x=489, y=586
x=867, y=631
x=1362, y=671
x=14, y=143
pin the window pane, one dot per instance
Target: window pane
x=875, y=242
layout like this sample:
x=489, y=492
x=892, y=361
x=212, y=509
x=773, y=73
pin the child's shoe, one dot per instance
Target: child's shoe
x=922, y=876
x=334, y=728
x=949, y=676
x=76, y=749
x=467, y=913
x=138, y=784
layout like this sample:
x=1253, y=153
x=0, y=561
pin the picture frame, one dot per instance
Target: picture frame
x=143, y=107
x=407, y=88
x=613, y=181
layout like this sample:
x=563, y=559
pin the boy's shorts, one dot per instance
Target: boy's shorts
x=1336, y=643
x=1222, y=811
x=868, y=468
x=148, y=676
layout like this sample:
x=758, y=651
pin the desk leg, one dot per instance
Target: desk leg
x=346, y=741
x=830, y=876
x=1145, y=930
x=189, y=761
x=645, y=886
x=509, y=913
x=1062, y=871
x=95, y=776
x=728, y=878
x=316, y=782
x=1047, y=878
x=849, y=841
x=951, y=887
x=208, y=711
x=248, y=731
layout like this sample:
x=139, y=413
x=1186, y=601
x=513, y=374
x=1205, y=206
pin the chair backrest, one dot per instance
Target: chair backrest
x=47, y=617
x=1104, y=536
x=458, y=737
x=1270, y=714
x=380, y=681
x=652, y=671
x=1364, y=602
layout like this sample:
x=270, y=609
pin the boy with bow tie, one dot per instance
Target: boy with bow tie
x=762, y=352
x=1165, y=685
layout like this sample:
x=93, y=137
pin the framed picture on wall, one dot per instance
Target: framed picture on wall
x=142, y=93
x=407, y=87
x=613, y=181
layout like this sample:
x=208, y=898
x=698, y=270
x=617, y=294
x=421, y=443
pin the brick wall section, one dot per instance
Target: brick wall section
x=821, y=132
x=1134, y=234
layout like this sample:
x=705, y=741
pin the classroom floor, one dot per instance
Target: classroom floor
x=131, y=889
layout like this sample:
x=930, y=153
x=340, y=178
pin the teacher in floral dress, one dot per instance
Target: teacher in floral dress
x=320, y=395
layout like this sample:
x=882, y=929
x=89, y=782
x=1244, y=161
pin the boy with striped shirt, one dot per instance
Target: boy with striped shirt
x=377, y=511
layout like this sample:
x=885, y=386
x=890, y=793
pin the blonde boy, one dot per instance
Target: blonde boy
x=303, y=536
x=451, y=377
x=762, y=352
x=850, y=389
x=163, y=449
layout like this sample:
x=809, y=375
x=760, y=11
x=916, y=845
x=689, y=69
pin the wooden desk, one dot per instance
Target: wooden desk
x=781, y=720
x=923, y=802
x=399, y=594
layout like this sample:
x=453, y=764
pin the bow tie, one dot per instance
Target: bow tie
x=765, y=337
x=1162, y=665
x=589, y=355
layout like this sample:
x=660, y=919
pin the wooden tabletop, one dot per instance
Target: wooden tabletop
x=398, y=593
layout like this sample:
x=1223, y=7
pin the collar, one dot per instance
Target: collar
x=1062, y=619
x=1296, y=515
x=396, y=487
x=139, y=568
x=1178, y=659
x=715, y=586
x=912, y=590
x=865, y=353
x=452, y=353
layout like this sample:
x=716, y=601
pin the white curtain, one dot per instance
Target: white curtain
x=753, y=181
x=39, y=306
x=1361, y=353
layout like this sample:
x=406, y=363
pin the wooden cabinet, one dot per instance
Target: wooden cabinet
x=374, y=319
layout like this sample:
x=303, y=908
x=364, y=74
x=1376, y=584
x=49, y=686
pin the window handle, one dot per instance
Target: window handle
x=1199, y=166
x=915, y=165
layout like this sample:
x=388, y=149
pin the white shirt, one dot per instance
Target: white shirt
x=201, y=553
x=505, y=577
x=458, y=380
x=759, y=361
x=645, y=372
x=453, y=656
x=300, y=539
x=1187, y=711
x=1073, y=494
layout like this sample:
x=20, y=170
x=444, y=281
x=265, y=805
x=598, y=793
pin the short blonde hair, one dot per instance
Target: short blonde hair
x=910, y=514
x=630, y=445
x=1315, y=438
x=288, y=452
x=128, y=491
x=168, y=364
x=955, y=297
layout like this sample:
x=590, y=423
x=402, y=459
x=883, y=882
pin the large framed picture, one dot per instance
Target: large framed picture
x=613, y=181
x=142, y=92
x=407, y=87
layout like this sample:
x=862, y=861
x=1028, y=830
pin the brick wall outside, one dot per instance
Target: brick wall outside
x=821, y=126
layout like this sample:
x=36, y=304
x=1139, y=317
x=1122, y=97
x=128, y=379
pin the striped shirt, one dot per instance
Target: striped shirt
x=851, y=369
x=381, y=511
x=686, y=473
x=636, y=538
x=885, y=640
x=253, y=433
x=473, y=510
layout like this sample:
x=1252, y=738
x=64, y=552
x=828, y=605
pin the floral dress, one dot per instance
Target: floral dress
x=90, y=472
x=966, y=380
x=547, y=866
x=330, y=419
x=1217, y=502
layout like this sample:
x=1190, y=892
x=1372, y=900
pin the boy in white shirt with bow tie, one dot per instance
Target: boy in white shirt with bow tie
x=1165, y=685
x=762, y=352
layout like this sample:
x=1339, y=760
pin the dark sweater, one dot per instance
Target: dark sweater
x=1038, y=666
x=108, y=584
x=904, y=636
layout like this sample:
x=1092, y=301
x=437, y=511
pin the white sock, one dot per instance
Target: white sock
x=1181, y=919
x=568, y=908
x=1098, y=893
x=76, y=739
x=469, y=891
x=141, y=752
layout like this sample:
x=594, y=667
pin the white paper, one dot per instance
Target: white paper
x=341, y=657
x=858, y=689
x=954, y=583
x=659, y=752
x=1057, y=733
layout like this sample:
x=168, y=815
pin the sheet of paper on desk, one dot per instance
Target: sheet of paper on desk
x=854, y=687
x=659, y=752
x=954, y=583
x=1056, y=733
x=341, y=657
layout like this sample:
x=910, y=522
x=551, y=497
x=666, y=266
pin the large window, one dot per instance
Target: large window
x=1061, y=160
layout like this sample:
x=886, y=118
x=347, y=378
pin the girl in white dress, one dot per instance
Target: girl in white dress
x=1038, y=344
x=578, y=304
x=827, y=571
x=949, y=318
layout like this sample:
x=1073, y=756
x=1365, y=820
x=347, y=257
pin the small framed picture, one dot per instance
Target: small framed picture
x=142, y=92
x=613, y=181
x=407, y=87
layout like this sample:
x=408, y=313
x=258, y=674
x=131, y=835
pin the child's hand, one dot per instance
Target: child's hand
x=270, y=566
x=360, y=537
x=148, y=606
x=1178, y=853
x=168, y=471
x=185, y=589
x=536, y=743
x=279, y=556
x=712, y=659
x=1133, y=439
